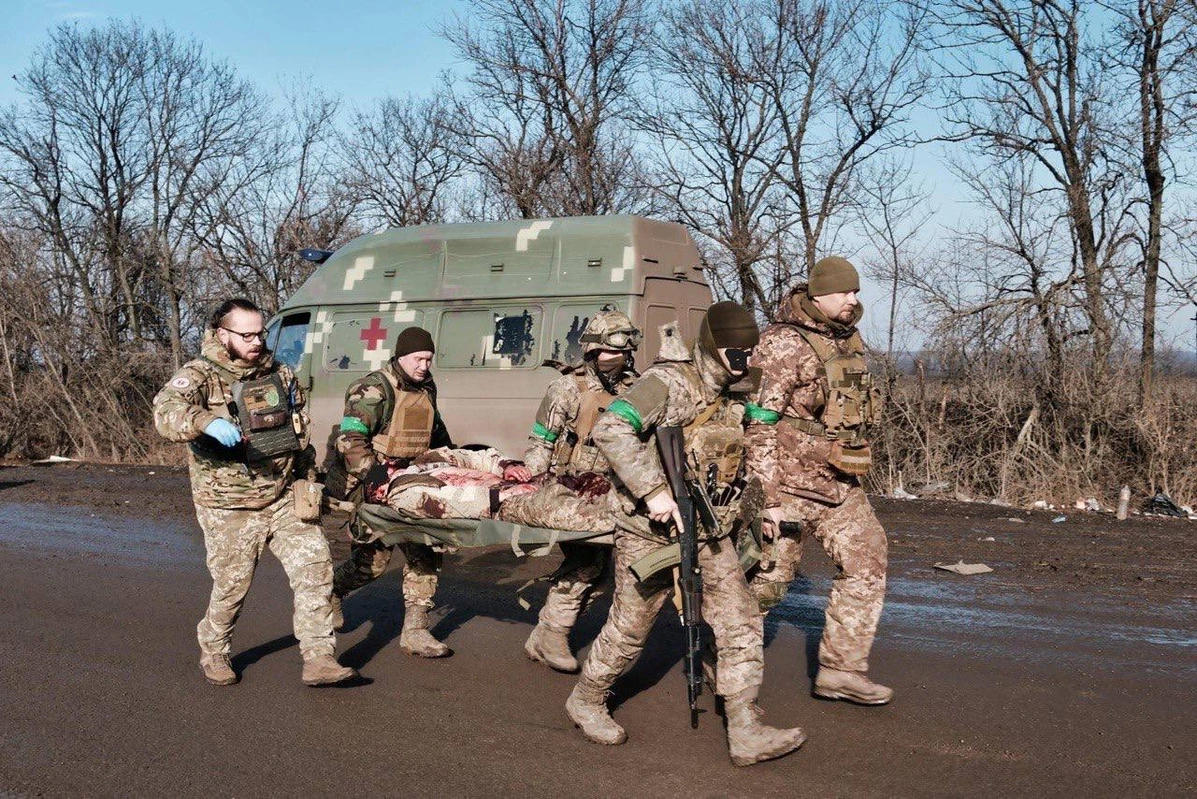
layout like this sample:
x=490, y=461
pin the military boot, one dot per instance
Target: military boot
x=851, y=686
x=549, y=644
x=338, y=615
x=749, y=741
x=325, y=670
x=415, y=639
x=217, y=668
x=587, y=708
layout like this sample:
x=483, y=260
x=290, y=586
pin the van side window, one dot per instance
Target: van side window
x=288, y=338
x=569, y=321
x=497, y=338
x=362, y=341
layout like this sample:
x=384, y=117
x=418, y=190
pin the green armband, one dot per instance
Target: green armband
x=626, y=411
x=542, y=432
x=351, y=424
x=756, y=413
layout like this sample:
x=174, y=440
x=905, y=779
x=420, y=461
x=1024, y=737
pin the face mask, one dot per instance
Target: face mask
x=737, y=358
x=613, y=365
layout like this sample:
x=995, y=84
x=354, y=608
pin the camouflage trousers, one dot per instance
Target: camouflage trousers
x=573, y=583
x=855, y=542
x=367, y=562
x=235, y=540
x=727, y=607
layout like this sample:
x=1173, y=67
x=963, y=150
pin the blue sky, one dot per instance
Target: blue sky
x=358, y=50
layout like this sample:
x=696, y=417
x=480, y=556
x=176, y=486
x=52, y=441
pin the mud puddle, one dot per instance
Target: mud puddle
x=78, y=530
x=988, y=618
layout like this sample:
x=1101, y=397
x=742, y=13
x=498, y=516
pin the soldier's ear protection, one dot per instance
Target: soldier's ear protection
x=737, y=358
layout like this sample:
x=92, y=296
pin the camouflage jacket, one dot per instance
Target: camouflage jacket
x=367, y=413
x=201, y=391
x=557, y=417
x=670, y=393
x=793, y=385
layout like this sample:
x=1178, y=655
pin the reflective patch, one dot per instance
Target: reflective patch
x=180, y=382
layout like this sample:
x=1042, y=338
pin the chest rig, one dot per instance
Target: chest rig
x=576, y=452
x=851, y=402
x=409, y=430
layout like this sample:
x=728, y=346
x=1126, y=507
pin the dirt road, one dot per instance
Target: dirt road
x=1072, y=669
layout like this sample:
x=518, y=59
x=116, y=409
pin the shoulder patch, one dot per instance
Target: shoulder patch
x=648, y=396
x=181, y=382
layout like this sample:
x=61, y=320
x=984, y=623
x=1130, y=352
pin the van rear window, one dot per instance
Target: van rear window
x=496, y=338
x=569, y=322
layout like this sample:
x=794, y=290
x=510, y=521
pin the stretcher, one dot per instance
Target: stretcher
x=375, y=522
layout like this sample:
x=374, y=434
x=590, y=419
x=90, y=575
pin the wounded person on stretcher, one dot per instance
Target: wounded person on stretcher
x=449, y=483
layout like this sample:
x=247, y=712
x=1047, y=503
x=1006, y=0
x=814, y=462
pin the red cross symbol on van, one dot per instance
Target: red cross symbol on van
x=374, y=334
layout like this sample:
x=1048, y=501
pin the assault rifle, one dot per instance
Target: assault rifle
x=671, y=447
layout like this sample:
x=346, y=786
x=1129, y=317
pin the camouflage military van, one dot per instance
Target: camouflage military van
x=499, y=299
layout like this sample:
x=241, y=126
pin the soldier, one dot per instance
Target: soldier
x=808, y=442
x=243, y=470
x=561, y=443
x=686, y=389
x=391, y=418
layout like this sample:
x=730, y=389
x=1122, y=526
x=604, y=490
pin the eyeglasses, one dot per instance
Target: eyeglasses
x=260, y=335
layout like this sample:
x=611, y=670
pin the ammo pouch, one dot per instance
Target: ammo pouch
x=263, y=409
x=308, y=495
x=853, y=459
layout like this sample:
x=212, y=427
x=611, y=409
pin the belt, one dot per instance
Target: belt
x=819, y=430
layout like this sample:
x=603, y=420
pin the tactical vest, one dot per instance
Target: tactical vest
x=264, y=412
x=261, y=407
x=852, y=403
x=714, y=440
x=409, y=431
x=577, y=452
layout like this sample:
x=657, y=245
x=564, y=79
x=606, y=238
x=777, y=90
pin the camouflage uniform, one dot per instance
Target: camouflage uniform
x=367, y=414
x=674, y=392
x=243, y=507
x=553, y=446
x=794, y=467
x=671, y=394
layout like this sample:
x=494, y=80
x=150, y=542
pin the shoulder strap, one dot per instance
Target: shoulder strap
x=824, y=349
x=706, y=415
x=388, y=384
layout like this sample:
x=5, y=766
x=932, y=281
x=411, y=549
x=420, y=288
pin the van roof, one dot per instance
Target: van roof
x=574, y=256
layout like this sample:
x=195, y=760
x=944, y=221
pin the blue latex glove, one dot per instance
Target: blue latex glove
x=224, y=431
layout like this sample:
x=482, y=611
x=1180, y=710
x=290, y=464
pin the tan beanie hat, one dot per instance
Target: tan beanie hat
x=832, y=275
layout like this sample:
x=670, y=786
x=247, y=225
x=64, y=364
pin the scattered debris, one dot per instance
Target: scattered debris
x=963, y=568
x=1090, y=504
x=987, y=538
x=1059, y=519
x=1016, y=520
x=960, y=496
x=902, y=493
x=1001, y=503
x=52, y=459
x=1123, y=503
x=1162, y=505
x=1041, y=504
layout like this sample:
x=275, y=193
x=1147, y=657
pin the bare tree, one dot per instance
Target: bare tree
x=843, y=78
x=402, y=163
x=900, y=211
x=1156, y=49
x=714, y=128
x=291, y=192
x=1025, y=79
x=545, y=100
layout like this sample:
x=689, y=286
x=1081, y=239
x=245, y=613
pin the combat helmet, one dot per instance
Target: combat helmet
x=611, y=330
